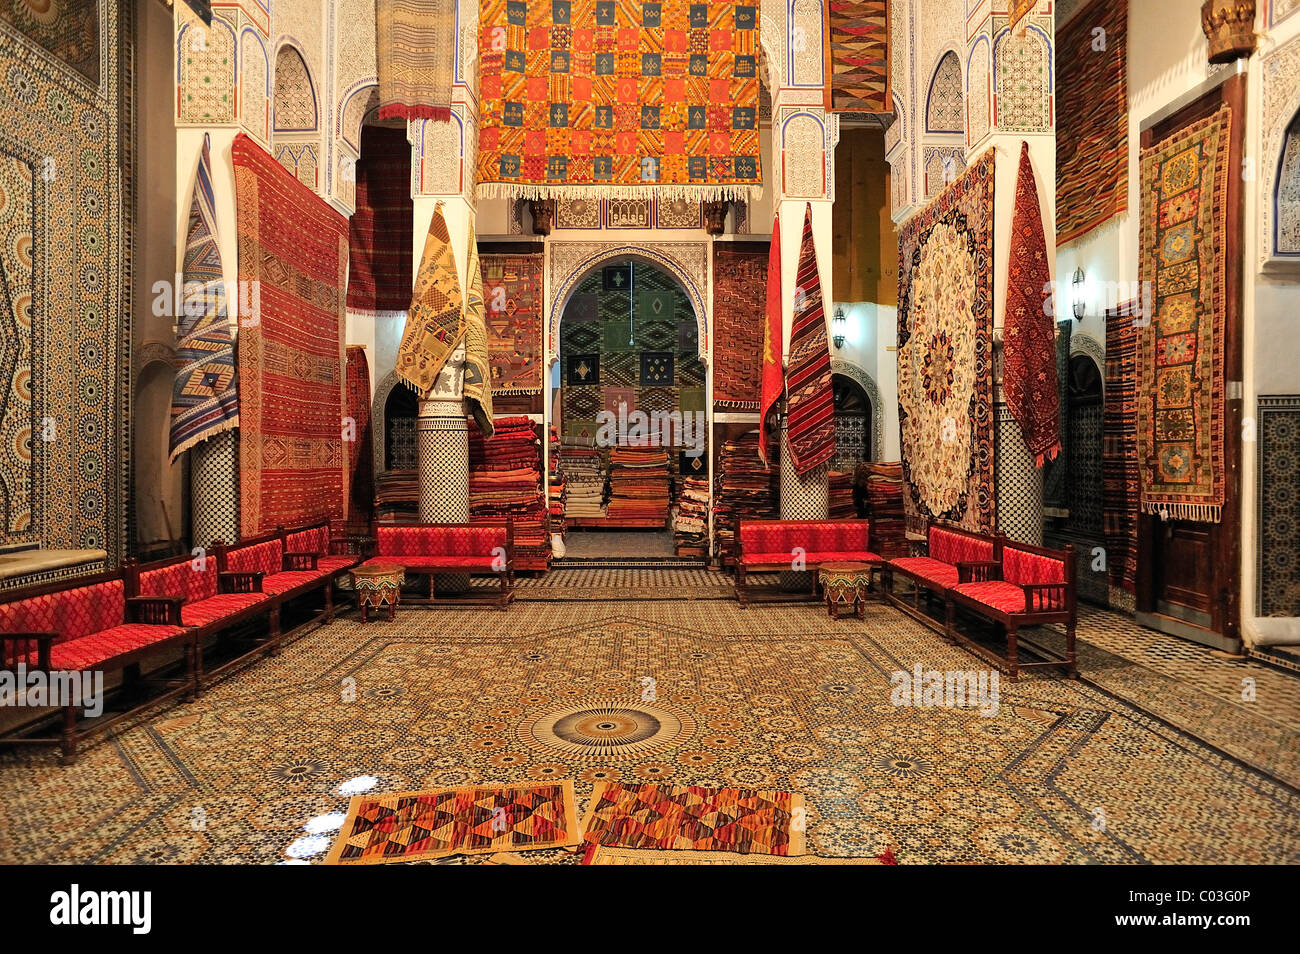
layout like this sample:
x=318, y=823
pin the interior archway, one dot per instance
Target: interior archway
x=628, y=401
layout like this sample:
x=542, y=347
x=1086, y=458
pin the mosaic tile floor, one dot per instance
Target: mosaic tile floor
x=775, y=695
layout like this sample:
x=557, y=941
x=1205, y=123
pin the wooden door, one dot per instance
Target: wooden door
x=1191, y=571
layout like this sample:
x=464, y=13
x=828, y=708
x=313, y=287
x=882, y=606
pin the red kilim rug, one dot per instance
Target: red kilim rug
x=414, y=826
x=1029, y=336
x=512, y=293
x=361, y=465
x=380, y=230
x=810, y=404
x=651, y=815
x=739, y=295
x=293, y=257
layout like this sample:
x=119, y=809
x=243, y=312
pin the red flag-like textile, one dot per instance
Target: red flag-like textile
x=773, y=379
x=810, y=403
x=1028, y=334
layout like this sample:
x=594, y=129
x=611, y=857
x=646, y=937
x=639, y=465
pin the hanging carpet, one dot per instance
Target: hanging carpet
x=739, y=293
x=856, y=42
x=1119, y=448
x=810, y=402
x=415, y=52
x=435, y=323
x=512, y=288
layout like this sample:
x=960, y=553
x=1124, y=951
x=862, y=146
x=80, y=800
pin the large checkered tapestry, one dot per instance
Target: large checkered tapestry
x=1092, y=119
x=65, y=284
x=619, y=99
x=293, y=252
x=1182, y=256
x=945, y=354
x=857, y=56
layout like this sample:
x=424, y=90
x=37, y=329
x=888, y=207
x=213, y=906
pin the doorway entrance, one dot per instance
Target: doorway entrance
x=628, y=403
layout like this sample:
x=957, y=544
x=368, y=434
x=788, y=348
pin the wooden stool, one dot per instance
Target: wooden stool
x=377, y=584
x=845, y=583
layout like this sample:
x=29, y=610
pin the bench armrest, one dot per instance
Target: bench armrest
x=157, y=610
x=237, y=581
x=353, y=545
x=43, y=643
x=978, y=571
x=1042, y=597
x=300, y=561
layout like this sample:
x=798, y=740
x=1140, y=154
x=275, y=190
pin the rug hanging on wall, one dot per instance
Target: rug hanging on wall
x=739, y=293
x=695, y=817
x=619, y=100
x=293, y=254
x=1119, y=448
x=435, y=321
x=205, y=401
x=478, y=370
x=773, y=383
x=512, y=287
x=1183, y=250
x=379, y=231
x=810, y=401
x=1029, y=383
x=415, y=59
x=1092, y=119
x=416, y=826
x=361, y=467
x=856, y=41
x=1056, y=470
x=945, y=354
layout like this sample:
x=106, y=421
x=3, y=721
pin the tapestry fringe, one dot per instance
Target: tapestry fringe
x=664, y=192
x=440, y=114
x=229, y=424
x=737, y=405
x=516, y=392
x=1199, y=513
x=1049, y=454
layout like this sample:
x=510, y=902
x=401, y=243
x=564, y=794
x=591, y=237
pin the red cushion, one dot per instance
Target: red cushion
x=311, y=540
x=192, y=580
x=451, y=541
x=283, y=582
x=951, y=546
x=855, y=536
x=32, y=615
x=928, y=570
x=95, y=649
x=267, y=557
x=218, y=607
x=437, y=561
x=843, y=556
x=1021, y=566
x=335, y=564
x=1006, y=597
x=783, y=558
x=89, y=609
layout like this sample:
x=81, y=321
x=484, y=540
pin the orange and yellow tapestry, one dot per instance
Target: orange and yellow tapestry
x=619, y=99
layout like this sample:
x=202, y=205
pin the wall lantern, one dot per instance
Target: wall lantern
x=1077, y=301
x=838, y=324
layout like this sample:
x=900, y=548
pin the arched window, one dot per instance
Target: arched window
x=852, y=424
x=1083, y=426
x=400, y=412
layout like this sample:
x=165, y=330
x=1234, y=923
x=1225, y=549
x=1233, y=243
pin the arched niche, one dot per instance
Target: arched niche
x=1285, y=238
x=294, y=107
x=568, y=263
x=944, y=102
x=869, y=387
x=391, y=396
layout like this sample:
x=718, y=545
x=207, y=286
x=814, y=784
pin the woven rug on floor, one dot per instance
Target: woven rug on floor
x=635, y=856
x=415, y=826
x=651, y=815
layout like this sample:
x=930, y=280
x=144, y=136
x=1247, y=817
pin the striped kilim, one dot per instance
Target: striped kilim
x=1119, y=448
x=293, y=251
x=651, y=815
x=856, y=43
x=415, y=58
x=810, y=403
x=434, y=325
x=619, y=99
x=413, y=826
x=380, y=230
x=1092, y=123
x=204, y=398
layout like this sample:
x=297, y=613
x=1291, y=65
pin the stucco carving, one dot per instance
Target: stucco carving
x=1280, y=92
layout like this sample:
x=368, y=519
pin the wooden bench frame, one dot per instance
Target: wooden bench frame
x=932, y=589
x=1036, y=595
x=745, y=595
x=432, y=569
x=156, y=610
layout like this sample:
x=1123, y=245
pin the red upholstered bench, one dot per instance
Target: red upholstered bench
x=314, y=539
x=1027, y=586
x=949, y=549
x=261, y=563
x=87, y=625
x=776, y=545
x=434, y=548
x=213, y=602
